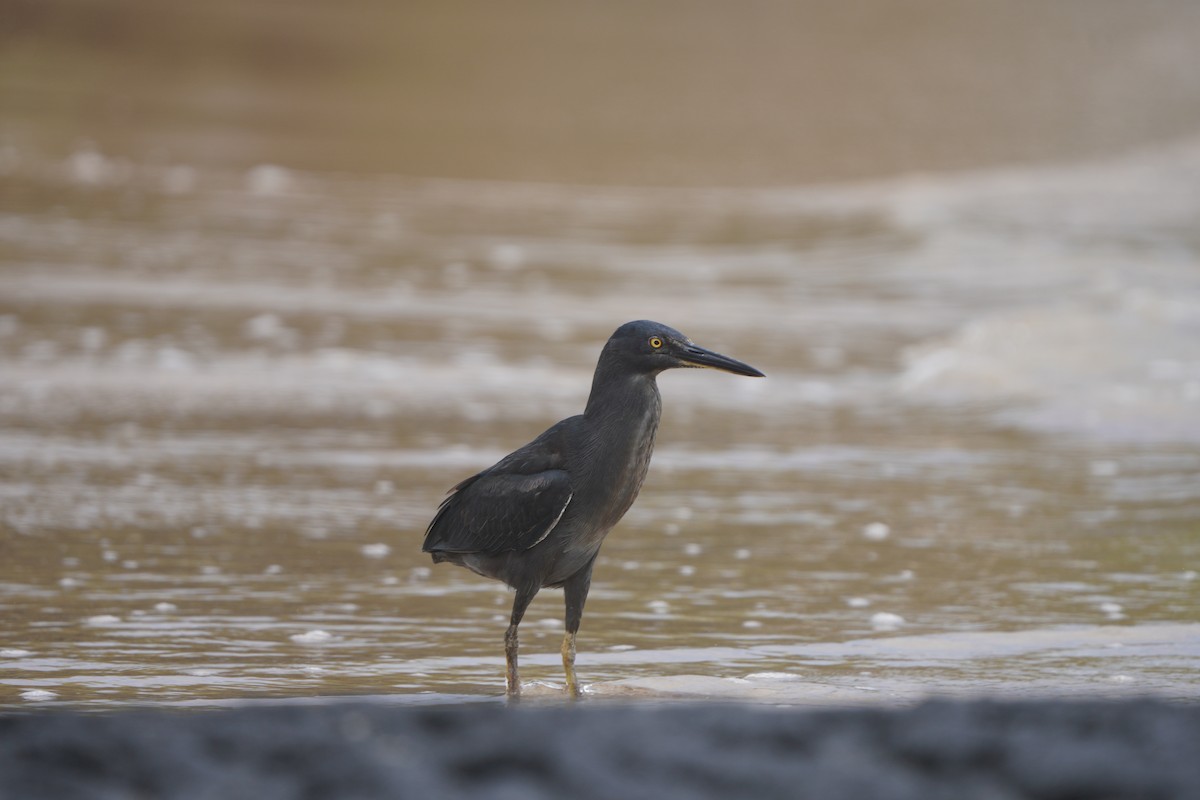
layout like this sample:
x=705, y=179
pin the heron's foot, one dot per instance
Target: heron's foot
x=512, y=675
x=568, y=659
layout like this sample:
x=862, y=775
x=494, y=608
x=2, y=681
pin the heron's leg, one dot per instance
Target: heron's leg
x=575, y=592
x=511, y=675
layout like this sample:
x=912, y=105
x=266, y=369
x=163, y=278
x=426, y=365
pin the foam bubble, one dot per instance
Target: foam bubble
x=886, y=621
x=876, y=531
x=773, y=676
x=377, y=550
x=179, y=179
x=87, y=166
x=268, y=180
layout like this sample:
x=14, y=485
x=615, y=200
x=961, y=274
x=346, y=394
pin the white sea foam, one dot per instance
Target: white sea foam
x=375, y=550
x=1099, y=330
x=876, y=531
x=886, y=621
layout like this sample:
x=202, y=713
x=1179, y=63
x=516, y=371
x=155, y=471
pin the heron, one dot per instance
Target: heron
x=536, y=518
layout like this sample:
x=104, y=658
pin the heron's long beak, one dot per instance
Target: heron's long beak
x=694, y=355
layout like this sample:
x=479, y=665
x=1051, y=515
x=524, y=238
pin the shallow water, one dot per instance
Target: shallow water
x=230, y=401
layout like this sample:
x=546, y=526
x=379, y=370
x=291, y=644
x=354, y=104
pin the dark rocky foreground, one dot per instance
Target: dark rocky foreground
x=953, y=750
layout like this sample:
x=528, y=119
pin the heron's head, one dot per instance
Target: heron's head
x=650, y=347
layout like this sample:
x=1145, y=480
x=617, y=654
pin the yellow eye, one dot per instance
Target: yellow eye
x=655, y=342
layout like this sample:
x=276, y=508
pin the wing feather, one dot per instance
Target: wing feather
x=499, y=512
x=513, y=505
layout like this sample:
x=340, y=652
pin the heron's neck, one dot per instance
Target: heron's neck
x=621, y=420
x=620, y=396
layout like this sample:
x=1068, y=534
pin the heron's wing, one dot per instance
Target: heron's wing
x=496, y=511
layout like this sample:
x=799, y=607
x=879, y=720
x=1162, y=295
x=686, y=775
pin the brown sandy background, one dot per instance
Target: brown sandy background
x=629, y=92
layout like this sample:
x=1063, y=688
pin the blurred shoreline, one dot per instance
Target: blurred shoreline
x=642, y=94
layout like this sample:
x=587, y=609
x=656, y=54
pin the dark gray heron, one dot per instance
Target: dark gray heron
x=537, y=518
